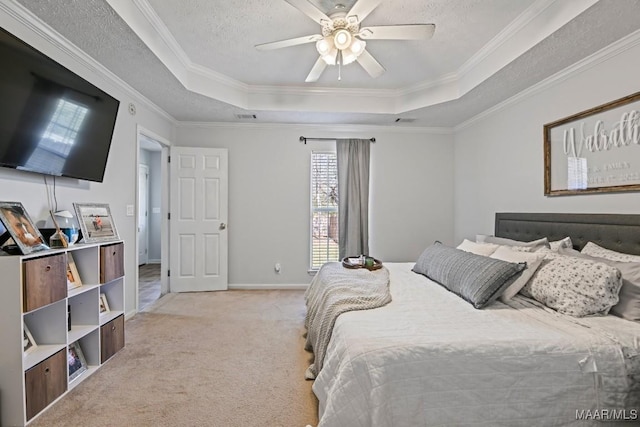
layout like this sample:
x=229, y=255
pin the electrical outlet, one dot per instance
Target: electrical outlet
x=277, y=267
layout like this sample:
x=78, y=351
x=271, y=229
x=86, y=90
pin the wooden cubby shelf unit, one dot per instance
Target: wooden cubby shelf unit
x=35, y=294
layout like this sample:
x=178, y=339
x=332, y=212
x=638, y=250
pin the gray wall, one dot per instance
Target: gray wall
x=411, y=201
x=499, y=158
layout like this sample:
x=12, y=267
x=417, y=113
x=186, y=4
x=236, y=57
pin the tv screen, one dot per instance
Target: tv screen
x=52, y=121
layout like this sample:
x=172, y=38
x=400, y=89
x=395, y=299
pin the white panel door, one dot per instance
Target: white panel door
x=199, y=205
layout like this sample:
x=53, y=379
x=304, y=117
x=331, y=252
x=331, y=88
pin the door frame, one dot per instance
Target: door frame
x=141, y=167
x=142, y=132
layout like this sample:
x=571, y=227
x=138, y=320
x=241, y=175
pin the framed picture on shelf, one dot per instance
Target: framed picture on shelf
x=17, y=223
x=73, y=277
x=28, y=343
x=75, y=359
x=96, y=222
x=104, y=304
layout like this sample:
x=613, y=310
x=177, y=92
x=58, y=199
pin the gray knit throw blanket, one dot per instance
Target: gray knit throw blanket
x=336, y=290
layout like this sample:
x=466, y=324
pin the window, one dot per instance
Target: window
x=324, y=208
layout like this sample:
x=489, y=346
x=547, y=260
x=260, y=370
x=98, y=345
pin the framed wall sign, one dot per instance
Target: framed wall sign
x=594, y=151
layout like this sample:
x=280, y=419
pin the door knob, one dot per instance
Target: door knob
x=222, y=226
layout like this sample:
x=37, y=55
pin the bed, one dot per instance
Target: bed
x=428, y=358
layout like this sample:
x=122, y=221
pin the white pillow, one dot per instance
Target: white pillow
x=592, y=249
x=533, y=260
x=485, y=249
x=565, y=243
x=533, y=245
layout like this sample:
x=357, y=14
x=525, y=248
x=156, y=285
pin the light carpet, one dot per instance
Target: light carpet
x=232, y=358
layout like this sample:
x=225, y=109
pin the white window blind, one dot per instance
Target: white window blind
x=324, y=208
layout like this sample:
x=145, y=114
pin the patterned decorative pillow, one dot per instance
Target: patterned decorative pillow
x=628, y=306
x=534, y=244
x=598, y=251
x=565, y=243
x=485, y=249
x=532, y=260
x=574, y=286
x=477, y=279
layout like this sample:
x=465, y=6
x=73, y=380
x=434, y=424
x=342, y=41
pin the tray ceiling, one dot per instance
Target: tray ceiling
x=196, y=59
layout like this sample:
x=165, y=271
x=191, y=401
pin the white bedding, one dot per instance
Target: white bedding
x=429, y=358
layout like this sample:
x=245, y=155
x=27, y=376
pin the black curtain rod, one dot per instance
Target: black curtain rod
x=304, y=139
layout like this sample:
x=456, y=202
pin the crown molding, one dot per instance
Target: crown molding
x=539, y=21
x=505, y=34
x=536, y=23
x=49, y=39
x=348, y=129
x=323, y=91
x=171, y=47
x=599, y=57
x=157, y=24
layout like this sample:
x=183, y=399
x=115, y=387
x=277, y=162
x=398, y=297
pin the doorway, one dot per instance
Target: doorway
x=152, y=226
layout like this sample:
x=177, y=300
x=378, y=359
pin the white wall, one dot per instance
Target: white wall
x=411, y=201
x=499, y=158
x=119, y=186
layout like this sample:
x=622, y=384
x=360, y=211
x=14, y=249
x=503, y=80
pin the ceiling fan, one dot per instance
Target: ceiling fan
x=343, y=40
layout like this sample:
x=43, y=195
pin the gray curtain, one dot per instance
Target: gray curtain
x=353, y=196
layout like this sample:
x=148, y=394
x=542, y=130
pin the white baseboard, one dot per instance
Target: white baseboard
x=267, y=286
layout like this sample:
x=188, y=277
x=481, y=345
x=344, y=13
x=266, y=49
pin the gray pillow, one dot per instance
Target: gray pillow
x=477, y=279
x=628, y=306
x=535, y=244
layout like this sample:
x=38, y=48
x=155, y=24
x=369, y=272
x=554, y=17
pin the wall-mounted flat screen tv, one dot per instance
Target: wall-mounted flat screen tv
x=52, y=121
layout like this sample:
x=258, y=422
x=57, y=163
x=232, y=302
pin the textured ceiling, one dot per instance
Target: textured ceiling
x=220, y=36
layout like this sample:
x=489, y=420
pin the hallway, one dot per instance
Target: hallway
x=149, y=285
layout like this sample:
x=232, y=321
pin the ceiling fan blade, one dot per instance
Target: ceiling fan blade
x=370, y=64
x=398, y=32
x=363, y=8
x=310, y=10
x=289, y=42
x=316, y=71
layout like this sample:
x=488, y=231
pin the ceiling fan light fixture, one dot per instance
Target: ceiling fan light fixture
x=327, y=50
x=342, y=39
x=324, y=46
x=330, y=59
x=357, y=46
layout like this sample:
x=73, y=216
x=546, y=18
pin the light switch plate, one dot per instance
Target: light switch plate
x=130, y=210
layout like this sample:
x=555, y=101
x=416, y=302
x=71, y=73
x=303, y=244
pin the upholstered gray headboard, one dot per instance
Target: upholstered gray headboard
x=619, y=232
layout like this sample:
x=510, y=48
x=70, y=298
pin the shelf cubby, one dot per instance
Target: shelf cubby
x=36, y=295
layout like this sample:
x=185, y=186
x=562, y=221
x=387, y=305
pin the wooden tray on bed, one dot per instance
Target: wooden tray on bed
x=355, y=262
